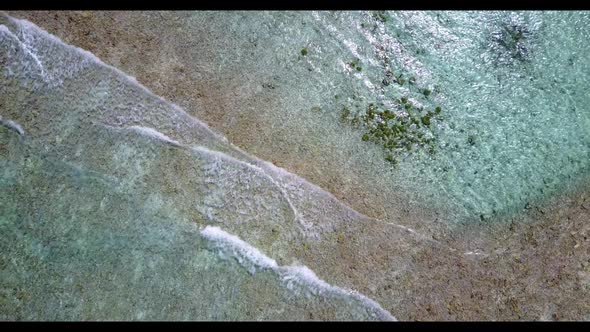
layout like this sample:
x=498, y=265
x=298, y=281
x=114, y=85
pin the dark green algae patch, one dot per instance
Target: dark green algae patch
x=403, y=129
x=396, y=132
x=400, y=129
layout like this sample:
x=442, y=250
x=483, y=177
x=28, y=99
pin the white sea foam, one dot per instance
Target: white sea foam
x=153, y=133
x=253, y=259
x=232, y=245
x=4, y=29
x=52, y=65
x=12, y=125
x=475, y=252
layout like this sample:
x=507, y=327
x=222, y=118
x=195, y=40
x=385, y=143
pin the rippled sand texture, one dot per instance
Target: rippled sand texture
x=107, y=188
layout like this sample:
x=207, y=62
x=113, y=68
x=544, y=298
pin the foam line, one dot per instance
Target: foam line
x=253, y=259
x=226, y=157
x=153, y=134
x=238, y=248
x=13, y=126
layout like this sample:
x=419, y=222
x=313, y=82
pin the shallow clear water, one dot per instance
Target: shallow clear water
x=117, y=204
